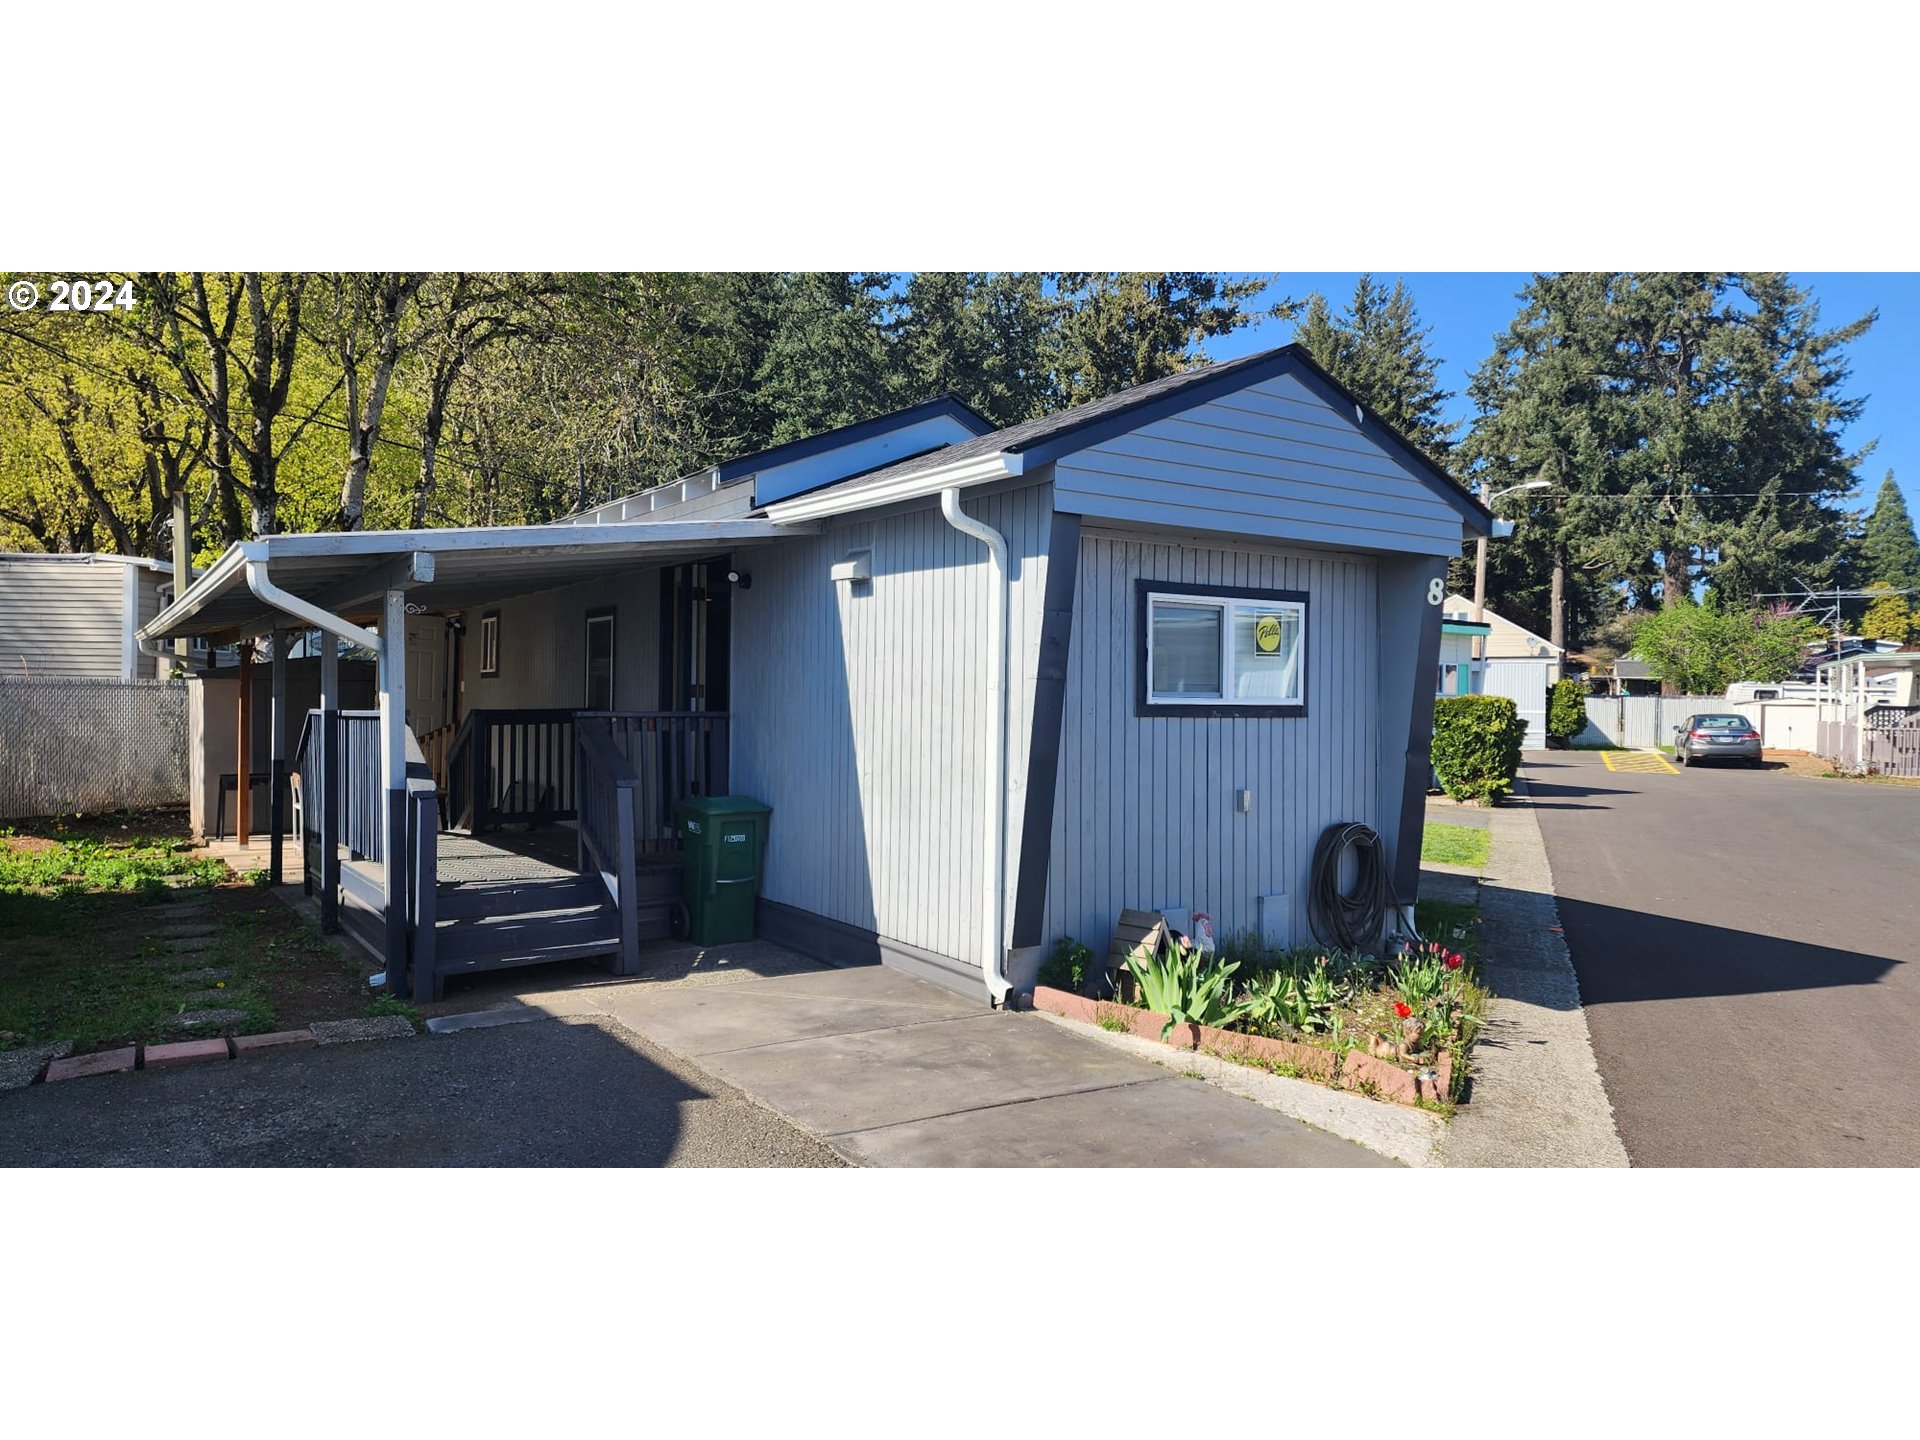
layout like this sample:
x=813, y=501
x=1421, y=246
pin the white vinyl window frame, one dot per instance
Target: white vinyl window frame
x=1227, y=602
x=490, y=644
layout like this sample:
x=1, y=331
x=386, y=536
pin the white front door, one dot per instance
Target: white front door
x=426, y=673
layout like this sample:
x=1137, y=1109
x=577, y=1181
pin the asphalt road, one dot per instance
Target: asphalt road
x=1748, y=947
x=582, y=1092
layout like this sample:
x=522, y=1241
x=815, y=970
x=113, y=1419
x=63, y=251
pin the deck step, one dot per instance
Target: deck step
x=476, y=898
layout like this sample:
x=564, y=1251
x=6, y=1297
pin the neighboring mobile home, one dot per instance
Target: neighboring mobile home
x=997, y=685
x=1513, y=662
x=74, y=617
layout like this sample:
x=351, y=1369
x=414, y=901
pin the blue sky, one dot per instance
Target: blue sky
x=1466, y=311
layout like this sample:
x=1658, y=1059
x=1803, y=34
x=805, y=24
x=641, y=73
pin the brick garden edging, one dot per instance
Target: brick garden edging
x=176, y=1053
x=1389, y=1081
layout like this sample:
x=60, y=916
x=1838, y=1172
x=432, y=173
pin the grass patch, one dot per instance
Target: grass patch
x=1446, y=844
x=80, y=960
x=393, y=1005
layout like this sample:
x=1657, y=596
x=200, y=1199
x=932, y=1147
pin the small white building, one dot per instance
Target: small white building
x=73, y=617
x=1515, y=663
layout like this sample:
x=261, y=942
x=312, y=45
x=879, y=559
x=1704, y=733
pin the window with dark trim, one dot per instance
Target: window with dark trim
x=490, y=643
x=1218, y=650
x=599, y=660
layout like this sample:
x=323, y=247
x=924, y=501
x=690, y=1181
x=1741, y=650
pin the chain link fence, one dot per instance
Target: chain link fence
x=83, y=746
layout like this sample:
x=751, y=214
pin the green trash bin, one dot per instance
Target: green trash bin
x=722, y=839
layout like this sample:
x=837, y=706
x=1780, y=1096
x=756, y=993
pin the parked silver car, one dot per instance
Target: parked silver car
x=1717, y=737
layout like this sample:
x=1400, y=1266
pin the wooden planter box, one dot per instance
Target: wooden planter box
x=1355, y=1070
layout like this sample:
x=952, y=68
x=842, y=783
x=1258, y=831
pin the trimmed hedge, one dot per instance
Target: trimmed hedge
x=1476, y=745
x=1566, y=710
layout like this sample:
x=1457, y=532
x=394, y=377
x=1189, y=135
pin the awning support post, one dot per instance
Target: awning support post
x=277, y=771
x=243, y=757
x=393, y=777
x=327, y=793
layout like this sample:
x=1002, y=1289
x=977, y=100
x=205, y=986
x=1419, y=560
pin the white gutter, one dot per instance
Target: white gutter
x=836, y=500
x=319, y=619
x=994, y=918
x=206, y=585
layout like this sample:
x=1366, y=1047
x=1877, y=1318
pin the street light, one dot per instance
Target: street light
x=1480, y=557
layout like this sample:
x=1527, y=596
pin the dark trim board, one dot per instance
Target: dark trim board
x=847, y=946
x=1049, y=710
x=1143, y=709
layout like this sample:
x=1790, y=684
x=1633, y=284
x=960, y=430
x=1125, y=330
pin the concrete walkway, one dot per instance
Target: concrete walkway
x=889, y=1070
x=1537, y=1098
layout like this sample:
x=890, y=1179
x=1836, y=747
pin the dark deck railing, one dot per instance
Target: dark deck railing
x=363, y=812
x=609, y=793
x=508, y=767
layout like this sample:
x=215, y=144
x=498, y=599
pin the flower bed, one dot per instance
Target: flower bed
x=1391, y=1031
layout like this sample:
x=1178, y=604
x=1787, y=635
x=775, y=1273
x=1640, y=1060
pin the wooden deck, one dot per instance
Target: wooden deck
x=509, y=899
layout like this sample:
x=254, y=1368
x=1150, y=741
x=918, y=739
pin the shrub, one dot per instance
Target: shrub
x=1476, y=745
x=1067, y=967
x=1566, y=710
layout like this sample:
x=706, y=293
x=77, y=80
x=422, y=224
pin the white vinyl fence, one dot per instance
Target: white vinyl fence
x=1639, y=722
x=84, y=746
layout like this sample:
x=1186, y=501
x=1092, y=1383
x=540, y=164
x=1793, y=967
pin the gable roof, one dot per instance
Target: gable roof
x=1017, y=448
x=1505, y=632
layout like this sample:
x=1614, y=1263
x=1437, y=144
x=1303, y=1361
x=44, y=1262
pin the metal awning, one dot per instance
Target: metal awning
x=346, y=574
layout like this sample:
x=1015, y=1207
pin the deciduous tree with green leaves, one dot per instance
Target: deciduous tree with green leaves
x=1700, y=649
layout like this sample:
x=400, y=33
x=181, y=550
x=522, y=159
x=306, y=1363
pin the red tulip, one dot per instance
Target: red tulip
x=1455, y=961
x=1402, y=1009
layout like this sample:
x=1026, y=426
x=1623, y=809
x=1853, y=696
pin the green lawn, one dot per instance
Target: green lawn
x=1454, y=844
x=79, y=960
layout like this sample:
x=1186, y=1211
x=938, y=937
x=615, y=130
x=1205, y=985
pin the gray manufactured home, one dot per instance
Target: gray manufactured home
x=74, y=617
x=996, y=685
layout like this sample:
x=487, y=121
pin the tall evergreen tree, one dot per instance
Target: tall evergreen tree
x=826, y=364
x=1126, y=328
x=1889, y=552
x=1377, y=348
x=980, y=336
x=1689, y=424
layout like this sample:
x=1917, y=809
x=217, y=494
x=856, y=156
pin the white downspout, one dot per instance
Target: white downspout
x=993, y=957
x=293, y=605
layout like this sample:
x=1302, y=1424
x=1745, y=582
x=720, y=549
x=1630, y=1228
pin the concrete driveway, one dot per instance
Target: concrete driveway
x=893, y=1071
x=747, y=1056
x=1746, y=945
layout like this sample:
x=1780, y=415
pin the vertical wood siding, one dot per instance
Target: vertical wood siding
x=1271, y=460
x=543, y=655
x=860, y=716
x=1145, y=813
x=63, y=618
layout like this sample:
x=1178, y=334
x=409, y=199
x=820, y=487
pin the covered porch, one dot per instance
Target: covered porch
x=454, y=838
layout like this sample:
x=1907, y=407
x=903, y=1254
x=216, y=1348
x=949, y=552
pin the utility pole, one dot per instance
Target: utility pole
x=182, y=561
x=1480, y=558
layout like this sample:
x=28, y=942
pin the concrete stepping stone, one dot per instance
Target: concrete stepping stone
x=202, y=1019
x=106, y=1062
x=276, y=1043
x=192, y=945
x=192, y=930
x=198, y=977
x=19, y=1068
x=375, y=1027
x=185, y=1052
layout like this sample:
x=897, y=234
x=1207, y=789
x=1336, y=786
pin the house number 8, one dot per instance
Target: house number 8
x=1436, y=591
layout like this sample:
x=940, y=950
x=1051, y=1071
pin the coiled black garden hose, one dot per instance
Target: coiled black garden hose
x=1351, y=921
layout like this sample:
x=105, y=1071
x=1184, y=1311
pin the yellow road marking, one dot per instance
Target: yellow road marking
x=1638, y=762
